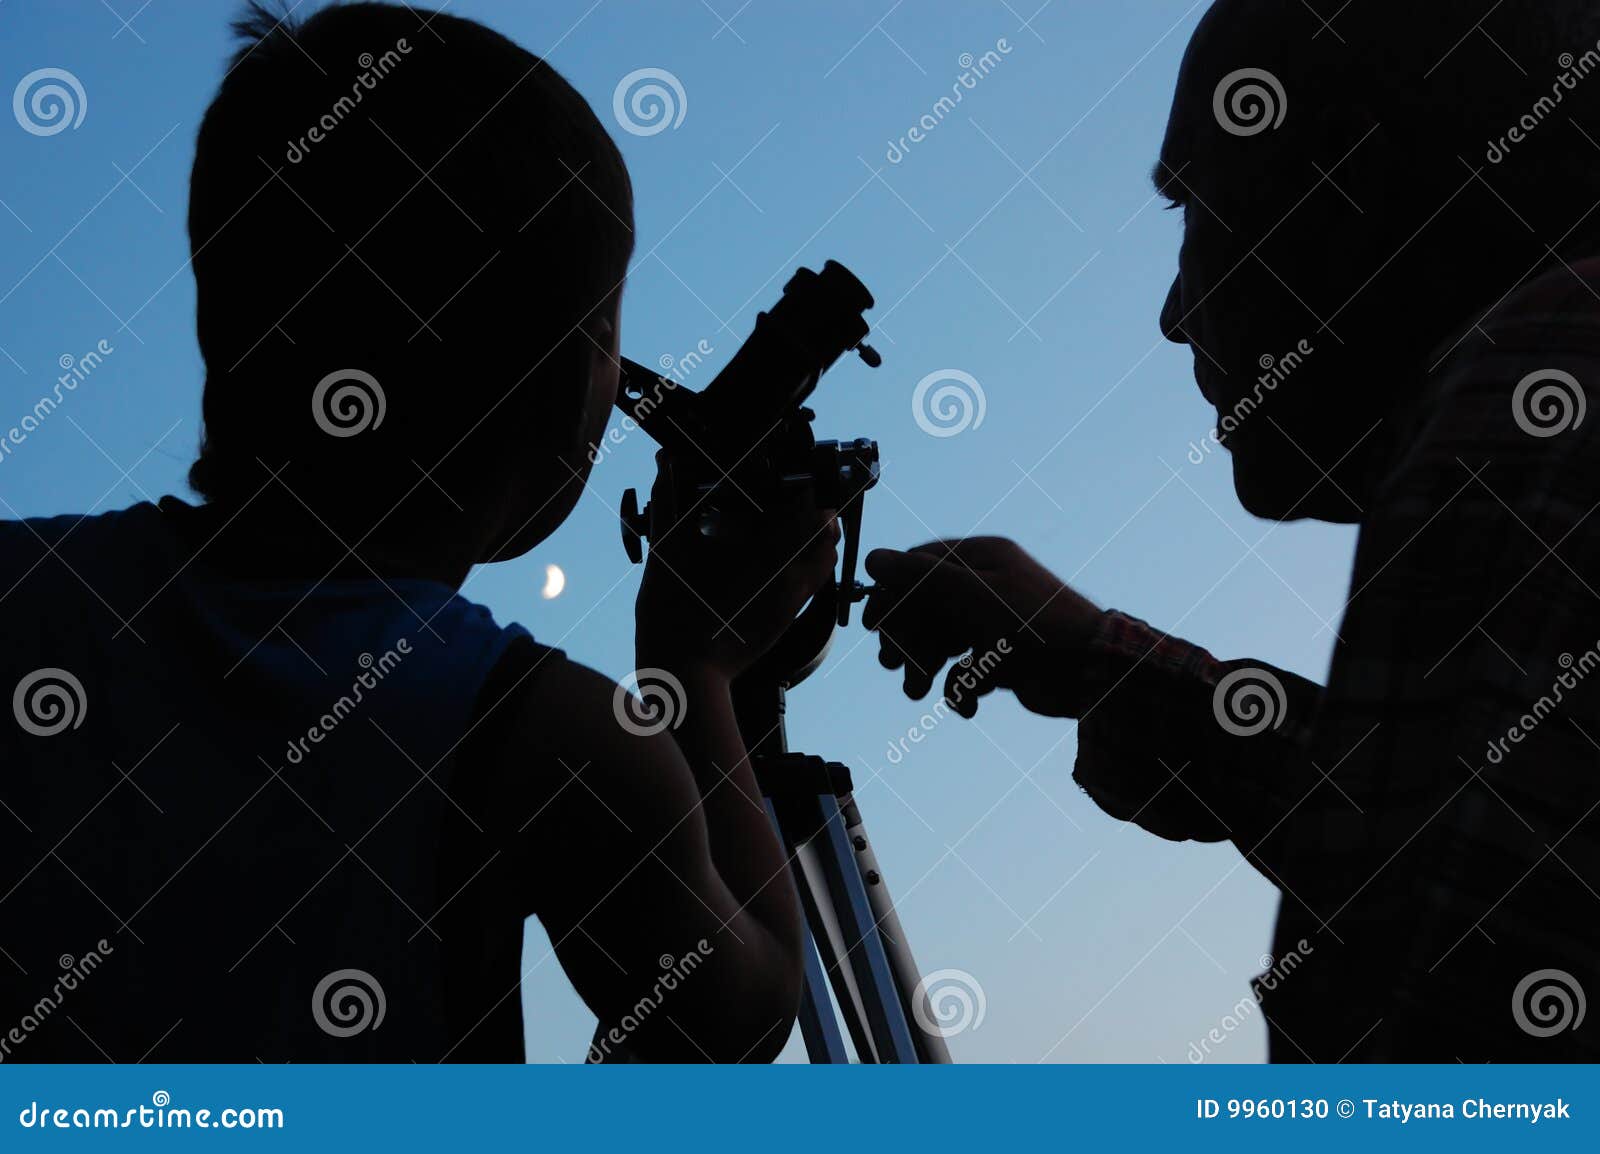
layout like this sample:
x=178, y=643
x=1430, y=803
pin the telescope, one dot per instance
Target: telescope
x=729, y=456
x=744, y=445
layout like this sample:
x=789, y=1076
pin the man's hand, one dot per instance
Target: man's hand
x=1024, y=626
x=720, y=605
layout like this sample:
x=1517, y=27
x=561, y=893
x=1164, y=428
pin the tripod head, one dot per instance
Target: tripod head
x=744, y=446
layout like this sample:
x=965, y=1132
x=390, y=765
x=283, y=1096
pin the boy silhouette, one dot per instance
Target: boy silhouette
x=288, y=791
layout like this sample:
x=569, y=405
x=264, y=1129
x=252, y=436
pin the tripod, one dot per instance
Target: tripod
x=855, y=943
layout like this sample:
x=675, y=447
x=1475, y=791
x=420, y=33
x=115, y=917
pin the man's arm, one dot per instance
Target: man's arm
x=1187, y=746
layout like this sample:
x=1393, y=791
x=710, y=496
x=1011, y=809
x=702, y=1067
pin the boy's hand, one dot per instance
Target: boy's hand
x=721, y=604
x=1026, y=628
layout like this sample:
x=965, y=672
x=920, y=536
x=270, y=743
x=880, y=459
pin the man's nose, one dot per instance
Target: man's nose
x=1172, y=314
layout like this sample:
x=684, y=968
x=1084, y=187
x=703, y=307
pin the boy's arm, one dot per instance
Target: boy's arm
x=649, y=853
x=663, y=888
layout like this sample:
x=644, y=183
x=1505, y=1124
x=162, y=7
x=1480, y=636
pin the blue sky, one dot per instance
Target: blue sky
x=1016, y=242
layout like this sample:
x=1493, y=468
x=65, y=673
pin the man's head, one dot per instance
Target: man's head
x=1353, y=205
x=409, y=240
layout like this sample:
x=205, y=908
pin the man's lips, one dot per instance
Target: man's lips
x=1210, y=394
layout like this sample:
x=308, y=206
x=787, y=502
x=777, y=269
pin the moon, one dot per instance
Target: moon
x=554, y=582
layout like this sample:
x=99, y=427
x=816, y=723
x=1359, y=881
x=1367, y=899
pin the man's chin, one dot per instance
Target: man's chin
x=1285, y=490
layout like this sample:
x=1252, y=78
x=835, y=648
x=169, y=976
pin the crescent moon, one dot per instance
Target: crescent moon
x=554, y=582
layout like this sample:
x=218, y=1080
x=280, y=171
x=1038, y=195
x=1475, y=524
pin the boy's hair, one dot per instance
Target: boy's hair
x=411, y=196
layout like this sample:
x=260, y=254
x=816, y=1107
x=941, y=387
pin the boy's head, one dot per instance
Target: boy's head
x=409, y=238
x=1368, y=178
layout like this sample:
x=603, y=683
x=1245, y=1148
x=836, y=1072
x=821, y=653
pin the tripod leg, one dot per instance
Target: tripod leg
x=930, y=1044
x=847, y=936
x=818, y=1026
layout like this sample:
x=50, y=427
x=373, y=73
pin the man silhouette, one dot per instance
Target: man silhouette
x=1399, y=203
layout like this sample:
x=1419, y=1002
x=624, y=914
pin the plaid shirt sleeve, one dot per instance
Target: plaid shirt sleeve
x=1189, y=747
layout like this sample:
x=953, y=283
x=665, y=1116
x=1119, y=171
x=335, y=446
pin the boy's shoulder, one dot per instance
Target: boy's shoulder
x=106, y=558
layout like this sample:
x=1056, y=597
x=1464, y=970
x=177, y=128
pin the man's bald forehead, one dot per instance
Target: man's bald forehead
x=1433, y=72
x=1362, y=44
